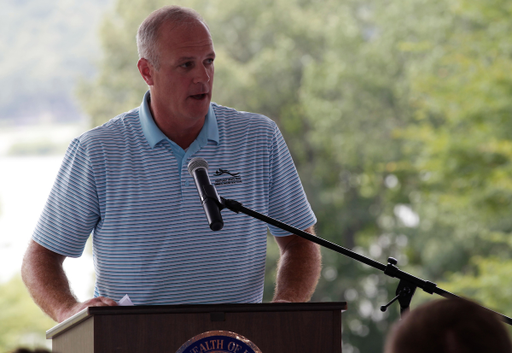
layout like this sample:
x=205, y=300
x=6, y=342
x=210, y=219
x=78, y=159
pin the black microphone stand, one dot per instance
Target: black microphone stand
x=406, y=286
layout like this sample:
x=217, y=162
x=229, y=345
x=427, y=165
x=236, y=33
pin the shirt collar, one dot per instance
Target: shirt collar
x=154, y=135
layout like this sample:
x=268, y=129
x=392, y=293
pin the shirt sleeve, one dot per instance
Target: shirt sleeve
x=72, y=209
x=287, y=200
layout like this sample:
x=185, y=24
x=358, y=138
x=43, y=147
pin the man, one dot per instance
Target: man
x=127, y=182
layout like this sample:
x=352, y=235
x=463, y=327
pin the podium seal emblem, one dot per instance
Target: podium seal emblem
x=218, y=342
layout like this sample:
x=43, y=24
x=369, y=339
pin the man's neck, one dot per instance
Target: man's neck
x=181, y=131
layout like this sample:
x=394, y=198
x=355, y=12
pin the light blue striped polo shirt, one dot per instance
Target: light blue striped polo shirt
x=128, y=184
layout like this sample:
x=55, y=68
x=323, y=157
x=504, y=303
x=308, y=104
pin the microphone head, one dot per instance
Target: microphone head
x=196, y=162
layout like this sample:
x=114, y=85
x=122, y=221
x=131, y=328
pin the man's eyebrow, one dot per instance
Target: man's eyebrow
x=187, y=58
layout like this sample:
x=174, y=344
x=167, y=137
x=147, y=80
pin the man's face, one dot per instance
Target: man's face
x=182, y=86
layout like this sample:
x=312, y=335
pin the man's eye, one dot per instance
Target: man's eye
x=186, y=65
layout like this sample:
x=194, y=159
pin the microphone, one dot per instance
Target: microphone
x=198, y=168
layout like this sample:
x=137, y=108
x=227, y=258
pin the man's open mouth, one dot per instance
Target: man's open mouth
x=198, y=96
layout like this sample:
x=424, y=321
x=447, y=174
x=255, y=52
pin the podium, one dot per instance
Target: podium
x=271, y=328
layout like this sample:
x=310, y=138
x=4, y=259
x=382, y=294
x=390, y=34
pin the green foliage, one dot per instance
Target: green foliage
x=463, y=123
x=118, y=86
x=22, y=323
x=485, y=283
x=270, y=268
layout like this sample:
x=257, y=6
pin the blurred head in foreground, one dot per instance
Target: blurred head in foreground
x=449, y=326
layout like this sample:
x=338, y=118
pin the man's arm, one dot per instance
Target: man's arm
x=298, y=269
x=48, y=285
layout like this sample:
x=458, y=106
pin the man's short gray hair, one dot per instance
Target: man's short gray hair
x=147, y=35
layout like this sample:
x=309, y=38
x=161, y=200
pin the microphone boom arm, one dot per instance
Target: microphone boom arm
x=407, y=285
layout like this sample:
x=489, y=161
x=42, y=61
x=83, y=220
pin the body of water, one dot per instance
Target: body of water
x=25, y=183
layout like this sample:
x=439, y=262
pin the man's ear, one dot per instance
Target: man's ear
x=146, y=71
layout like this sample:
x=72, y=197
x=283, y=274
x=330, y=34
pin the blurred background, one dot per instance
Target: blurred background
x=398, y=114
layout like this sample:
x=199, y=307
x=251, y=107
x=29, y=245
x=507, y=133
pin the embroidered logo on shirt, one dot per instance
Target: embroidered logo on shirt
x=234, y=178
x=221, y=171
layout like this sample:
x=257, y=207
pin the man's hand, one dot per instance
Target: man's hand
x=77, y=307
x=48, y=285
x=298, y=270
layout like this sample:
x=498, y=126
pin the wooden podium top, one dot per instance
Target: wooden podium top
x=182, y=309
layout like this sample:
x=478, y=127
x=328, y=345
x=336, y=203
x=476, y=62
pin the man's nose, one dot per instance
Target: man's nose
x=203, y=74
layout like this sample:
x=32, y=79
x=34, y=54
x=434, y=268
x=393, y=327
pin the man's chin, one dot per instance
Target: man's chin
x=200, y=104
x=200, y=108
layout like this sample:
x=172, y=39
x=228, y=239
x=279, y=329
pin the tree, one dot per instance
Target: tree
x=463, y=125
x=22, y=323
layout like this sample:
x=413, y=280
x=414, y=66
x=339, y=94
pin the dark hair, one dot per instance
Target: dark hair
x=449, y=326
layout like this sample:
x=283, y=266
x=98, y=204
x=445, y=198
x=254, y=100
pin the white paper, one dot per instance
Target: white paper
x=125, y=301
